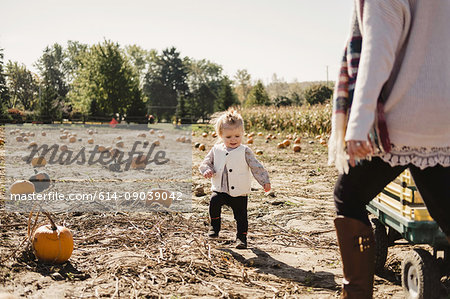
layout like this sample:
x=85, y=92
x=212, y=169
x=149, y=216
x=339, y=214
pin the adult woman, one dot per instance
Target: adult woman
x=397, y=62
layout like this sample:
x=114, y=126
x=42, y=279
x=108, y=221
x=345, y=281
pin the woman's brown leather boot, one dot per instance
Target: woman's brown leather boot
x=357, y=246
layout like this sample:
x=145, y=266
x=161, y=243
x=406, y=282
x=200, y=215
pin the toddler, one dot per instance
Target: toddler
x=230, y=166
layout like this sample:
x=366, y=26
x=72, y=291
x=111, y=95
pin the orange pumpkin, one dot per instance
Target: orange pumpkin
x=138, y=162
x=52, y=244
x=286, y=142
x=38, y=161
x=160, y=196
x=22, y=187
x=41, y=181
x=297, y=148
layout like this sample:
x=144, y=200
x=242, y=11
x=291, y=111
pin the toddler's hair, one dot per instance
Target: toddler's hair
x=230, y=119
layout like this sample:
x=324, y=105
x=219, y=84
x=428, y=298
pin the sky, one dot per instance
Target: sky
x=294, y=39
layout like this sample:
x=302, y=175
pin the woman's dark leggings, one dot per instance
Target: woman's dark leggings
x=364, y=181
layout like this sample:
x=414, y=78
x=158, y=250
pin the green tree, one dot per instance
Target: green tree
x=226, y=97
x=203, y=101
x=296, y=98
x=137, y=110
x=204, y=80
x=107, y=78
x=282, y=101
x=258, y=96
x=49, y=106
x=140, y=59
x=23, y=86
x=164, y=83
x=317, y=94
x=54, y=87
x=73, y=59
x=243, y=85
x=4, y=93
x=182, y=110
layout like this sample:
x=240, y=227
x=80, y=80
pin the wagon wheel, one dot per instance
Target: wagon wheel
x=381, y=246
x=420, y=276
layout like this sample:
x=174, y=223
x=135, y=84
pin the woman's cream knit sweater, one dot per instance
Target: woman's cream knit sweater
x=406, y=43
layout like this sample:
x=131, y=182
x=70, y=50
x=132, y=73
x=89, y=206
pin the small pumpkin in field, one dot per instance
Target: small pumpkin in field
x=297, y=148
x=259, y=152
x=101, y=148
x=90, y=141
x=205, y=134
x=286, y=142
x=72, y=139
x=138, y=162
x=197, y=144
x=38, y=161
x=250, y=140
x=160, y=196
x=281, y=145
x=52, y=243
x=22, y=187
x=41, y=181
x=202, y=147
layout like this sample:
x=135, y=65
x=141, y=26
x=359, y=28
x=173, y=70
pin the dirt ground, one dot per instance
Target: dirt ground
x=292, y=245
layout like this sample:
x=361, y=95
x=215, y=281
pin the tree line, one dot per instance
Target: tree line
x=105, y=80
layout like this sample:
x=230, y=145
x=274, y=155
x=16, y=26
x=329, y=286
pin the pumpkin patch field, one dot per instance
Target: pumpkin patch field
x=125, y=253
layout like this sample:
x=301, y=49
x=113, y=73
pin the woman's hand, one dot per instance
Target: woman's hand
x=357, y=149
x=208, y=174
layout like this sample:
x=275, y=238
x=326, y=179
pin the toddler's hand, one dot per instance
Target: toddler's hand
x=208, y=174
x=266, y=187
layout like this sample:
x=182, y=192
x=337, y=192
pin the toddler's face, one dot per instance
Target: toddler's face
x=232, y=137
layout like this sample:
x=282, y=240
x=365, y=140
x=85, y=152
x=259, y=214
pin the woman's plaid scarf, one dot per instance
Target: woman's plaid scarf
x=343, y=97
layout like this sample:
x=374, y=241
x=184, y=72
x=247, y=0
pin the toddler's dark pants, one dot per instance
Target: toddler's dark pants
x=239, y=206
x=364, y=181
